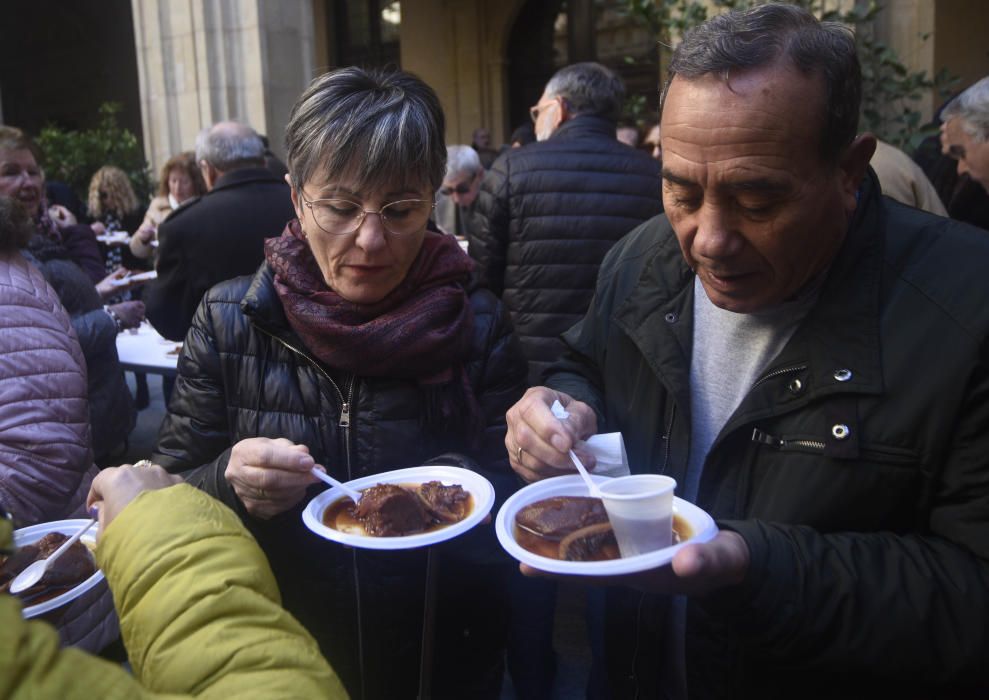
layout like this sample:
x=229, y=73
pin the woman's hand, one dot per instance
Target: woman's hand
x=115, y=487
x=110, y=285
x=696, y=569
x=130, y=313
x=538, y=442
x=98, y=228
x=269, y=476
x=145, y=233
x=62, y=217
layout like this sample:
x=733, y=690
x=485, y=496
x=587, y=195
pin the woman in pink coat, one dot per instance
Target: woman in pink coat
x=46, y=462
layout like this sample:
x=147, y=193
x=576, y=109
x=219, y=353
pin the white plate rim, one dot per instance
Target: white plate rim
x=138, y=277
x=116, y=237
x=572, y=485
x=479, y=487
x=33, y=533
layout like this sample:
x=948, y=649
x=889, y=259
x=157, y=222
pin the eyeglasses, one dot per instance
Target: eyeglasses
x=462, y=188
x=340, y=217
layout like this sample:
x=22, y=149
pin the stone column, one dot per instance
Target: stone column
x=204, y=61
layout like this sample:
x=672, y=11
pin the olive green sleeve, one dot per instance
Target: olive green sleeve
x=199, y=609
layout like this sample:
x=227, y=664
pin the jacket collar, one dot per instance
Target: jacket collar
x=263, y=308
x=241, y=176
x=841, y=332
x=584, y=125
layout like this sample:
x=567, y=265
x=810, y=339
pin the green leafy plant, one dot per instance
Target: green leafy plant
x=73, y=156
x=890, y=94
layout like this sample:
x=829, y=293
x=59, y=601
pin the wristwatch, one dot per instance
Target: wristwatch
x=116, y=319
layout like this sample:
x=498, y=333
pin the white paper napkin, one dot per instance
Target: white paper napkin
x=608, y=448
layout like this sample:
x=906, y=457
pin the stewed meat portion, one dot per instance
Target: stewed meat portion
x=387, y=510
x=591, y=543
x=555, y=518
x=68, y=571
x=448, y=504
x=394, y=510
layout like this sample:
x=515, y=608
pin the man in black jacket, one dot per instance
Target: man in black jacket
x=220, y=235
x=808, y=359
x=549, y=212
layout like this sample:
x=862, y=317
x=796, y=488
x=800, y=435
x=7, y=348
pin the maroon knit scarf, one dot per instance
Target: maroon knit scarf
x=421, y=330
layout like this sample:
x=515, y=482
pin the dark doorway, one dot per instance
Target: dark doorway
x=549, y=34
x=532, y=56
x=366, y=32
x=60, y=60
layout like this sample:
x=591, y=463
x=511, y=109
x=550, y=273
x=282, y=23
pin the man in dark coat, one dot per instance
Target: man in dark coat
x=808, y=359
x=221, y=234
x=548, y=213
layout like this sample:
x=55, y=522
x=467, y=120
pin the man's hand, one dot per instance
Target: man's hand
x=115, y=487
x=130, y=313
x=696, y=569
x=538, y=442
x=269, y=476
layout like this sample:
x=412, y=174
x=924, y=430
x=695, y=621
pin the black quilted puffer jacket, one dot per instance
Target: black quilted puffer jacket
x=244, y=373
x=547, y=214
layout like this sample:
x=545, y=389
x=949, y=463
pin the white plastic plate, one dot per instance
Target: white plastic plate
x=33, y=533
x=131, y=279
x=115, y=237
x=701, y=524
x=480, y=489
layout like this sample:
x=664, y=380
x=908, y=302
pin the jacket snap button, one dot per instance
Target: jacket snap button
x=843, y=375
x=795, y=386
x=840, y=431
x=670, y=317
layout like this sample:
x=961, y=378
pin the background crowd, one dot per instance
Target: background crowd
x=384, y=299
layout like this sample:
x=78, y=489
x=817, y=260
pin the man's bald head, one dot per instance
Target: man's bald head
x=230, y=145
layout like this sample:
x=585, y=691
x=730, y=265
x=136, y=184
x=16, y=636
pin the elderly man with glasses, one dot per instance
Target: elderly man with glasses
x=457, y=195
x=549, y=212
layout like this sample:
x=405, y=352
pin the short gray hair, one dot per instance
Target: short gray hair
x=761, y=36
x=461, y=160
x=972, y=107
x=589, y=88
x=230, y=146
x=378, y=127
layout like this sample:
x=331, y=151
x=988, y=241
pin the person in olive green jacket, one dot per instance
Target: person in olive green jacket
x=199, y=608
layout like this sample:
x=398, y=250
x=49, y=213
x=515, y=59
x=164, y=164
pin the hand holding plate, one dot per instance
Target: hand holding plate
x=697, y=569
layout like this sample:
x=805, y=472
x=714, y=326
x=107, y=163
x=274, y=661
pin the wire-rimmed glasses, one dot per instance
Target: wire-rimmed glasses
x=340, y=217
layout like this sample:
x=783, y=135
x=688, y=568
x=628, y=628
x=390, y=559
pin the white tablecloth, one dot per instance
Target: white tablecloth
x=147, y=351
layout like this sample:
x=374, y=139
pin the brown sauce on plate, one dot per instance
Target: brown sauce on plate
x=340, y=515
x=550, y=549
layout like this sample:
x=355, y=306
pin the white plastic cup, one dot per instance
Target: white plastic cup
x=640, y=508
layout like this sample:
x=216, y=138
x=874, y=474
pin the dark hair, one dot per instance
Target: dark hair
x=524, y=134
x=16, y=226
x=765, y=34
x=377, y=126
x=589, y=88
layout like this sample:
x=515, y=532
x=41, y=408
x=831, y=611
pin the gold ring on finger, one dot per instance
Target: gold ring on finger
x=141, y=463
x=518, y=454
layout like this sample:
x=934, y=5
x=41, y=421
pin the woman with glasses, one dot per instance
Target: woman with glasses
x=360, y=346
